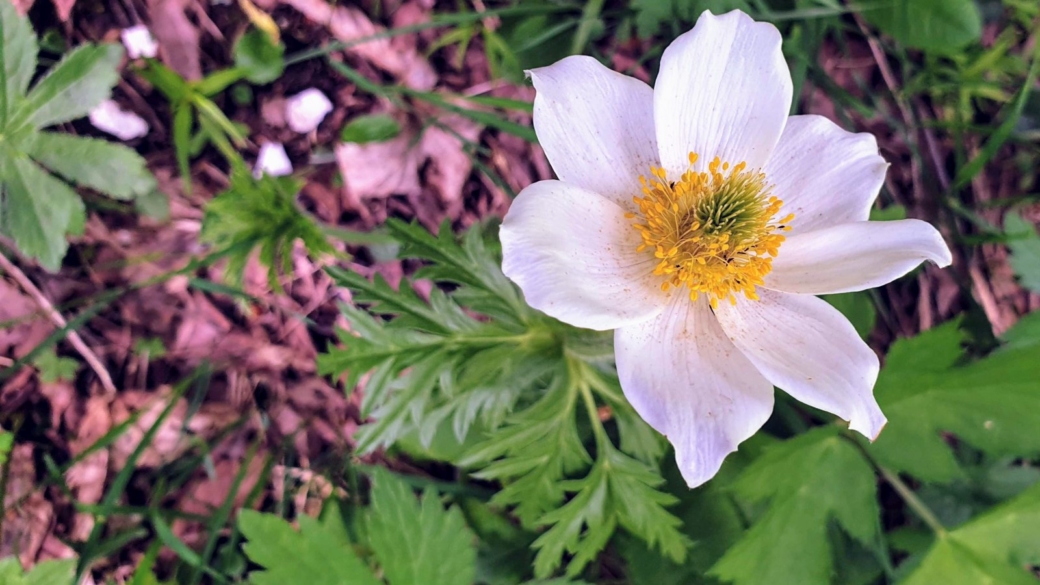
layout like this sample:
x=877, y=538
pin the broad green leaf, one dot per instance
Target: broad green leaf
x=991, y=404
x=1025, y=250
x=78, y=83
x=258, y=58
x=18, y=51
x=993, y=548
x=54, y=368
x=371, y=128
x=311, y=555
x=110, y=168
x=942, y=26
x=418, y=543
x=1025, y=333
x=45, y=573
x=808, y=481
x=6, y=442
x=38, y=210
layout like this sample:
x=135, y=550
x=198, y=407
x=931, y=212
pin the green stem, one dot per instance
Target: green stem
x=919, y=507
x=578, y=379
x=588, y=18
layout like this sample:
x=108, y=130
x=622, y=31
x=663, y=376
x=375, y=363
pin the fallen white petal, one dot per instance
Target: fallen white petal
x=823, y=174
x=139, y=42
x=724, y=90
x=688, y=381
x=109, y=117
x=272, y=160
x=855, y=256
x=810, y=350
x=573, y=253
x=596, y=126
x=305, y=110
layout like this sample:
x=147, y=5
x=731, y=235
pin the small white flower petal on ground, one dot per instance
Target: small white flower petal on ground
x=272, y=160
x=573, y=253
x=810, y=350
x=855, y=256
x=601, y=144
x=305, y=110
x=824, y=174
x=109, y=117
x=680, y=252
x=139, y=42
x=724, y=90
x=688, y=381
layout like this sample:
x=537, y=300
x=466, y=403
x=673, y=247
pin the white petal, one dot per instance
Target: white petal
x=685, y=378
x=855, y=256
x=724, y=90
x=139, y=42
x=810, y=350
x=823, y=174
x=272, y=160
x=305, y=110
x=573, y=253
x=109, y=117
x=596, y=126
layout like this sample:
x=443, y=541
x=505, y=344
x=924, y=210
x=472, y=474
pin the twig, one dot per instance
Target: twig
x=74, y=339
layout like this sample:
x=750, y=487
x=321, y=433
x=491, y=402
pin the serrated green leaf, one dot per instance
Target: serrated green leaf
x=371, y=128
x=38, y=210
x=418, y=543
x=991, y=404
x=310, y=556
x=993, y=548
x=18, y=56
x=73, y=87
x=259, y=58
x=941, y=26
x=808, y=481
x=53, y=368
x=1024, y=244
x=110, y=168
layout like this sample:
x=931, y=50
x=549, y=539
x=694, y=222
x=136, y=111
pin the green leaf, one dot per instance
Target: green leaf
x=38, y=210
x=18, y=52
x=45, y=573
x=110, y=168
x=313, y=555
x=418, y=543
x=1025, y=333
x=808, y=481
x=941, y=26
x=53, y=368
x=991, y=404
x=78, y=83
x=6, y=443
x=993, y=548
x=858, y=308
x=258, y=58
x=1025, y=250
x=260, y=214
x=370, y=128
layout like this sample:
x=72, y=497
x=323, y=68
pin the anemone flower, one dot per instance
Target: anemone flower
x=697, y=220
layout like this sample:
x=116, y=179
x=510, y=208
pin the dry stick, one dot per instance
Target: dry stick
x=77, y=342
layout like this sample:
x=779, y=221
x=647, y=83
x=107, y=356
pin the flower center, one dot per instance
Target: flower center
x=712, y=231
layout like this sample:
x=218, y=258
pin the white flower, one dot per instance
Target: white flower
x=305, y=110
x=139, y=42
x=696, y=219
x=272, y=160
x=109, y=117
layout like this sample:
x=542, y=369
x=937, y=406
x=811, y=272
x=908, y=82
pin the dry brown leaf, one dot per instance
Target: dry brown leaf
x=23, y=6
x=350, y=24
x=86, y=478
x=177, y=36
x=379, y=169
x=64, y=8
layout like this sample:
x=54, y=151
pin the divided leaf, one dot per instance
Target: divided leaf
x=418, y=543
x=314, y=555
x=37, y=210
x=991, y=404
x=993, y=548
x=808, y=481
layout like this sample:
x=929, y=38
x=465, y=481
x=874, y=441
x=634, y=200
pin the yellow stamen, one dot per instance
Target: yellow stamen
x=714, y=232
